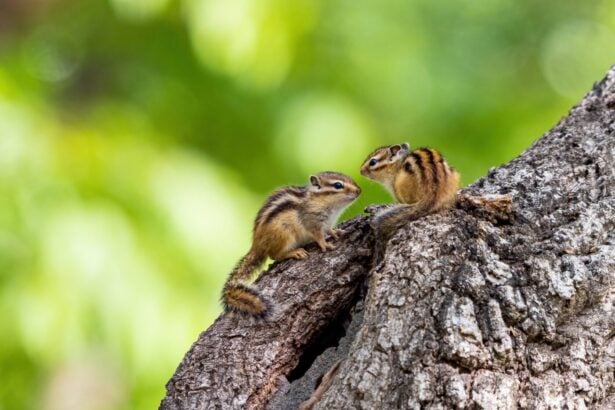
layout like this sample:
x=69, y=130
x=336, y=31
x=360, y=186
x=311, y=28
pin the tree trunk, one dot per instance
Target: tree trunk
x=462, y=309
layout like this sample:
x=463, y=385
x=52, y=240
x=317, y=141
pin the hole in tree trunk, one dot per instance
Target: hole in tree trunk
x=329, y=337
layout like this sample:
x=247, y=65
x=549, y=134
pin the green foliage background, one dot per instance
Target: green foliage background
x=138, y=139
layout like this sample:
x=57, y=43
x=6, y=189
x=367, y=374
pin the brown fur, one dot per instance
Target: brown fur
x=241, y=298
x=290, y=218
x=420, y=178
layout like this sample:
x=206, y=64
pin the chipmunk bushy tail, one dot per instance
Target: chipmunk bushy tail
x=240, y=297
x=390, y=220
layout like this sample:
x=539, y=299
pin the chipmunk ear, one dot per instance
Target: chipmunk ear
x=315, y=181
x=394, y=149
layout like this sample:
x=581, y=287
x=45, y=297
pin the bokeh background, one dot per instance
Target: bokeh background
x=139, y=138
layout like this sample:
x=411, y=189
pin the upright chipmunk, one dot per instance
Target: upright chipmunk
x=420, y=180
x=290, y=218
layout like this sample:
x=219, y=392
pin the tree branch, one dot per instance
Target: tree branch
x=466, y=308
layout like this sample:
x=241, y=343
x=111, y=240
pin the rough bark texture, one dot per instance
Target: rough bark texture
x=462, y=310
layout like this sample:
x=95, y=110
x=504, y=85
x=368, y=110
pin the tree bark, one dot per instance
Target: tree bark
x=461, y=309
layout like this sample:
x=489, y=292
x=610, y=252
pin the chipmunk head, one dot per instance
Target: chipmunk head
x=382, y=163
x=334, y=187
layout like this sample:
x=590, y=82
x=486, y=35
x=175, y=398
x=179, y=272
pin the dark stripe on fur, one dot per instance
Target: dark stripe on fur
x=279, y=208
x=295, y=191
x=418, y=160
x=238, y=304
x=433, y=166
x=382, y=165
x=408, y=167
x=419, y=163
x=374, y=152
x=326, y=191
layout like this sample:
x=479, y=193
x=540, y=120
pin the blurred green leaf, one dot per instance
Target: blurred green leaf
x=138, y=140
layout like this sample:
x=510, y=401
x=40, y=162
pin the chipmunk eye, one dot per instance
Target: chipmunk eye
x=373, y=162
x=338, y=185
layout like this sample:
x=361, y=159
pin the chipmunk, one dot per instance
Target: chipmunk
x=290, y=218
x=420, y=180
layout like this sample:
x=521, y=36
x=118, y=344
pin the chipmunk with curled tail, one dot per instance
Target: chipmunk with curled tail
x=290, y=218
x=420, y=180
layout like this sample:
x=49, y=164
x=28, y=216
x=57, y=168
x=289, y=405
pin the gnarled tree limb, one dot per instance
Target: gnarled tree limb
x=464, y=308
